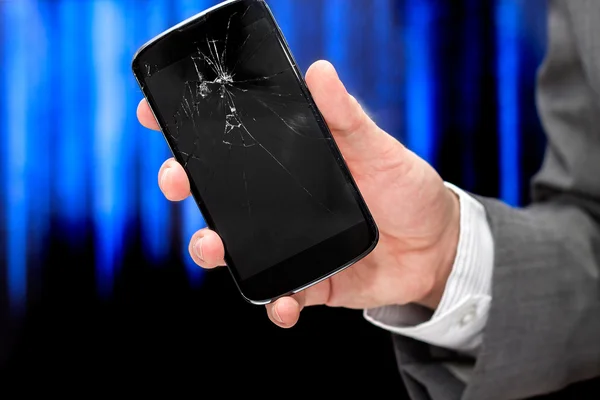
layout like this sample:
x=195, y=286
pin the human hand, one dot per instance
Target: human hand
x=417, y=216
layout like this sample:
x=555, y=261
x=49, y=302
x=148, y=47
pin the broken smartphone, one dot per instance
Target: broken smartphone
x=264, y=169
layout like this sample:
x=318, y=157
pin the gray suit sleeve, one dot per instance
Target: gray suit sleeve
x=543, y=331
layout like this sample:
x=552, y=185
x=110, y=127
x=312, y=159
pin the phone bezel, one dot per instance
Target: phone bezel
x=312, y=266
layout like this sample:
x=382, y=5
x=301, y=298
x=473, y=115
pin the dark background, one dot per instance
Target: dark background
x=95, y=281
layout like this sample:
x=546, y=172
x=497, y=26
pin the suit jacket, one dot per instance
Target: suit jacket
x=543, y=331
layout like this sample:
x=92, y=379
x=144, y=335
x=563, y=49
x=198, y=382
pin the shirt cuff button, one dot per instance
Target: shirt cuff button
x=469, y=317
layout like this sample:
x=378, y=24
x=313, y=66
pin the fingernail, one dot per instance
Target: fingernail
x=198, y=249
x=276, y=315
x=164, y=177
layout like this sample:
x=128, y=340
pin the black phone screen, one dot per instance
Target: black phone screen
x=238, y=117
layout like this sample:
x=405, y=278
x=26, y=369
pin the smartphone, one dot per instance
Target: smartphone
x=264, y=168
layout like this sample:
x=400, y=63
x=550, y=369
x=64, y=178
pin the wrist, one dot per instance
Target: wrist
x=445, y=254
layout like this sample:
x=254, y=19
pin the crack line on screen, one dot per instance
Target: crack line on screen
x=224, y=85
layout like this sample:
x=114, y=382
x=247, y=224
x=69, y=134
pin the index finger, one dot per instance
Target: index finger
x=146, y=117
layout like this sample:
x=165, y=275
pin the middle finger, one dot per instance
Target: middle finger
x=173, y=181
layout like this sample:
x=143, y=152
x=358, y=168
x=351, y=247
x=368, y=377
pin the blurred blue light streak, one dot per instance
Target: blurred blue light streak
x=15, y=146
x=336, y=31
x=470, y=88
x=155, y=210
x=507, y=23
x=385, y=69
x=110, y=172
x=420, y=78
x=72, y=136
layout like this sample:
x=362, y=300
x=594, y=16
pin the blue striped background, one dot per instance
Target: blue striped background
x=72, y=150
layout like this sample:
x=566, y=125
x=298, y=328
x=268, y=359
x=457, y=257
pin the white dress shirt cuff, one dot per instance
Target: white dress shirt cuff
x=458, y=322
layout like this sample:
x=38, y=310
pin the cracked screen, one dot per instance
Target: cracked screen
x=237, y=117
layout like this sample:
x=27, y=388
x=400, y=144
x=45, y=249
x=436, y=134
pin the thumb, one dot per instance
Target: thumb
x=357, y=136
